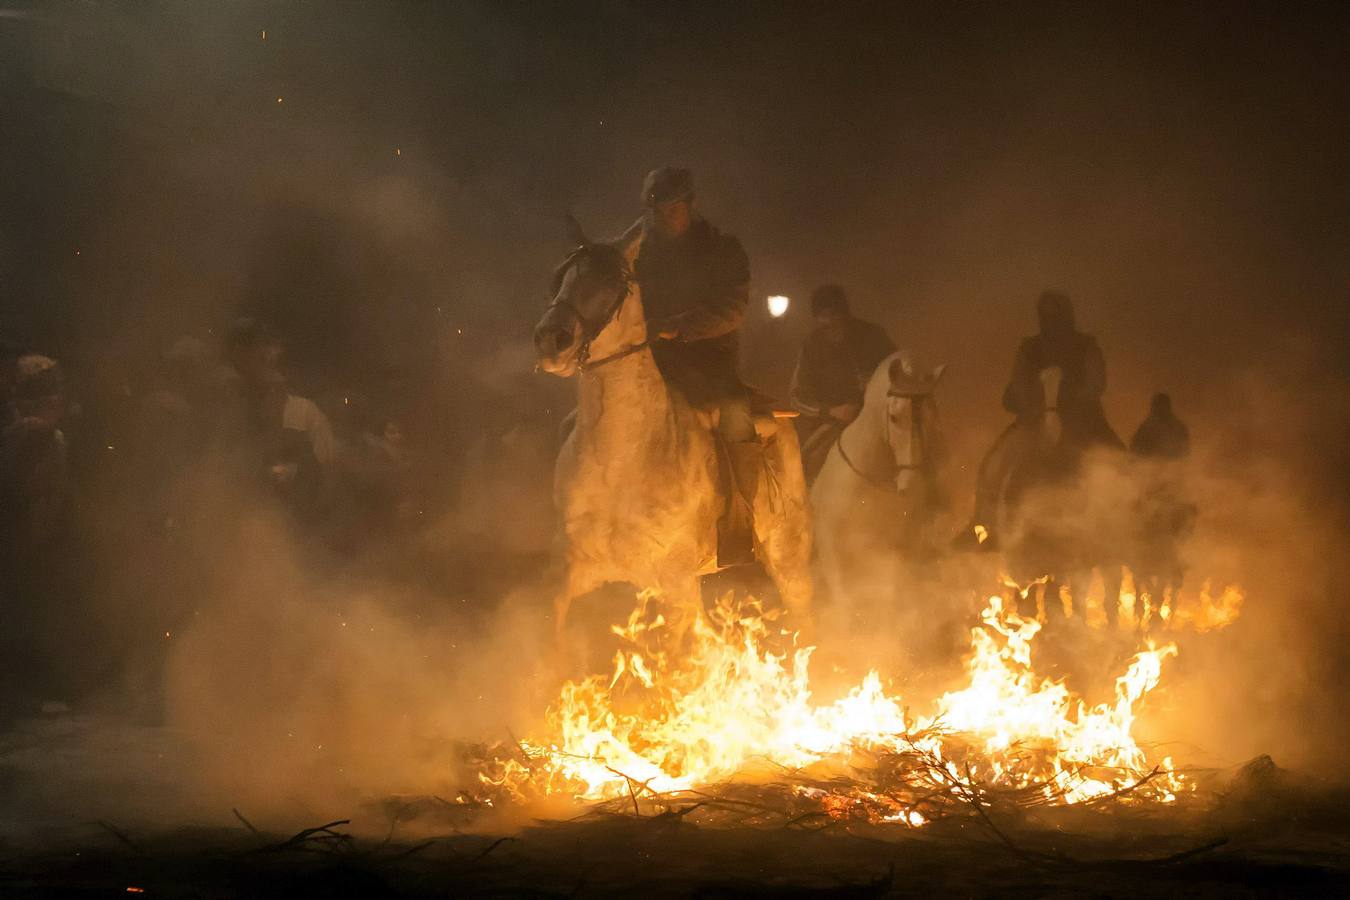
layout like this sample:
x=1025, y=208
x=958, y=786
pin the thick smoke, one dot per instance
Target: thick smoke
x=386, y=184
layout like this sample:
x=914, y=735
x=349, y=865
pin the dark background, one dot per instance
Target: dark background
x=1179, y=169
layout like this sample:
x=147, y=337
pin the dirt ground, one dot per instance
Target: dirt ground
x=665, y=858
x=1266, y=833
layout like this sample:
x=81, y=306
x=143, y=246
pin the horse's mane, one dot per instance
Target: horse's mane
x=879, y=385
x=609, y=257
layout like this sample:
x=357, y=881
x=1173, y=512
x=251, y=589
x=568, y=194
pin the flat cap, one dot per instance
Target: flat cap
x=666, y=184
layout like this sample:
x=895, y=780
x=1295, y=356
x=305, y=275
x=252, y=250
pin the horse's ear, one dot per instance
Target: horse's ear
x=575, y=233
x=937, y=373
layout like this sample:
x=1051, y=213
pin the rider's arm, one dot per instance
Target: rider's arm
x=723, y=310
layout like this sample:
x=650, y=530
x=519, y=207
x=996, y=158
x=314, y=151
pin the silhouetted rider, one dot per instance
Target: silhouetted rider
x=1083, y=375
x=695, y=284
x=1162, y=435
x=1055, y=391
x=1164, y=513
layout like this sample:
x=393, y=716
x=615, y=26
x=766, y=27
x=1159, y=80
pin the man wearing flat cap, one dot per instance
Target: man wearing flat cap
x=695, y=286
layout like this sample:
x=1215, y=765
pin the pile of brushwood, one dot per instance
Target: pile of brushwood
x=901, y=783
x=1262, y=833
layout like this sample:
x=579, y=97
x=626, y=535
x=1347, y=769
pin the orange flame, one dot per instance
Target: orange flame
x=715, y=710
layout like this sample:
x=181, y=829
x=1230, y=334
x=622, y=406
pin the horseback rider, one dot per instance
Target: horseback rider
x=837, y=359
x=1062, y=355
x=1162, y=435
x=1078, y=357
x=695, y=284
x=1164, y=512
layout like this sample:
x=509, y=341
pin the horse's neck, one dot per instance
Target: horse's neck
x=624, y=400
x=628, y=327
x=865, y=440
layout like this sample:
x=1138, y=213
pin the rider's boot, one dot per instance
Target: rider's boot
x=736, y=529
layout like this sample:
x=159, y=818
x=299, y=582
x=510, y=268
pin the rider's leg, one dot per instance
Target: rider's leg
x=736, y=429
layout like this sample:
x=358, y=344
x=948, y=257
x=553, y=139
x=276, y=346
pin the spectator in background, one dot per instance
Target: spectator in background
x=9, y=372
x=291, y=442
x=43, y=622
x=37, y=490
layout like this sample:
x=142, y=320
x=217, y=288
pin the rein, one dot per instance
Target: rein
x=587, y=363
x=886, y=482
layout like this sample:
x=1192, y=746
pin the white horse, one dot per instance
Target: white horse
x=637, y=482
x=877, y=490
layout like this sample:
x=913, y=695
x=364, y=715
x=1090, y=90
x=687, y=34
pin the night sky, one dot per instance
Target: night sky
x=370, y=175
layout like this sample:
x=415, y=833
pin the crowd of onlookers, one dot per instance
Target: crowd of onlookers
x=119, y=490
x=230, y=402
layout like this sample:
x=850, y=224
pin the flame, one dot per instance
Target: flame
x=725, y=705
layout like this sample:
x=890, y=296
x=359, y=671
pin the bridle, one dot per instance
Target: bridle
x=887, y=482
x=591, y=330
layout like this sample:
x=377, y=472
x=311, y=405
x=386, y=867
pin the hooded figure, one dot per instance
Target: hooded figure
x=1082, y=381
x=1056, y=394
x=1164, y=513
x=1162, y=435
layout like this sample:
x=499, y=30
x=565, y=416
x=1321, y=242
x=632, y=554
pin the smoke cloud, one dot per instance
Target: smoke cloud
x=385, y=184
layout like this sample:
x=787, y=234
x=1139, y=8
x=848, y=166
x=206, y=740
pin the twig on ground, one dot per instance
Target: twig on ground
x=493, y=846
x=1125, y=791
x=416, y=848
x=247, y=824
x=322, y=834
x=120, y=835
x=1187, y=854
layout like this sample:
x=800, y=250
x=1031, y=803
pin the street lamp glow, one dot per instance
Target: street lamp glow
x=778, y=304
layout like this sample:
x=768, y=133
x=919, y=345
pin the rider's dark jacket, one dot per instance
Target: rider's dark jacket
x=1080, y=392
x=1161, y=436
x=829, y=375
x=699, y=285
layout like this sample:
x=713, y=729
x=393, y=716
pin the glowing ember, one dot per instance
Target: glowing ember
x=727, y=707
x=778, y=305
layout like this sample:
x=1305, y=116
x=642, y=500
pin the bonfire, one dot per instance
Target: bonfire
x=725, y=726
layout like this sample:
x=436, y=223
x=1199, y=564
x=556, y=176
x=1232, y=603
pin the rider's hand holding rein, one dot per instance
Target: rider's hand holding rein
x=665, y=330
